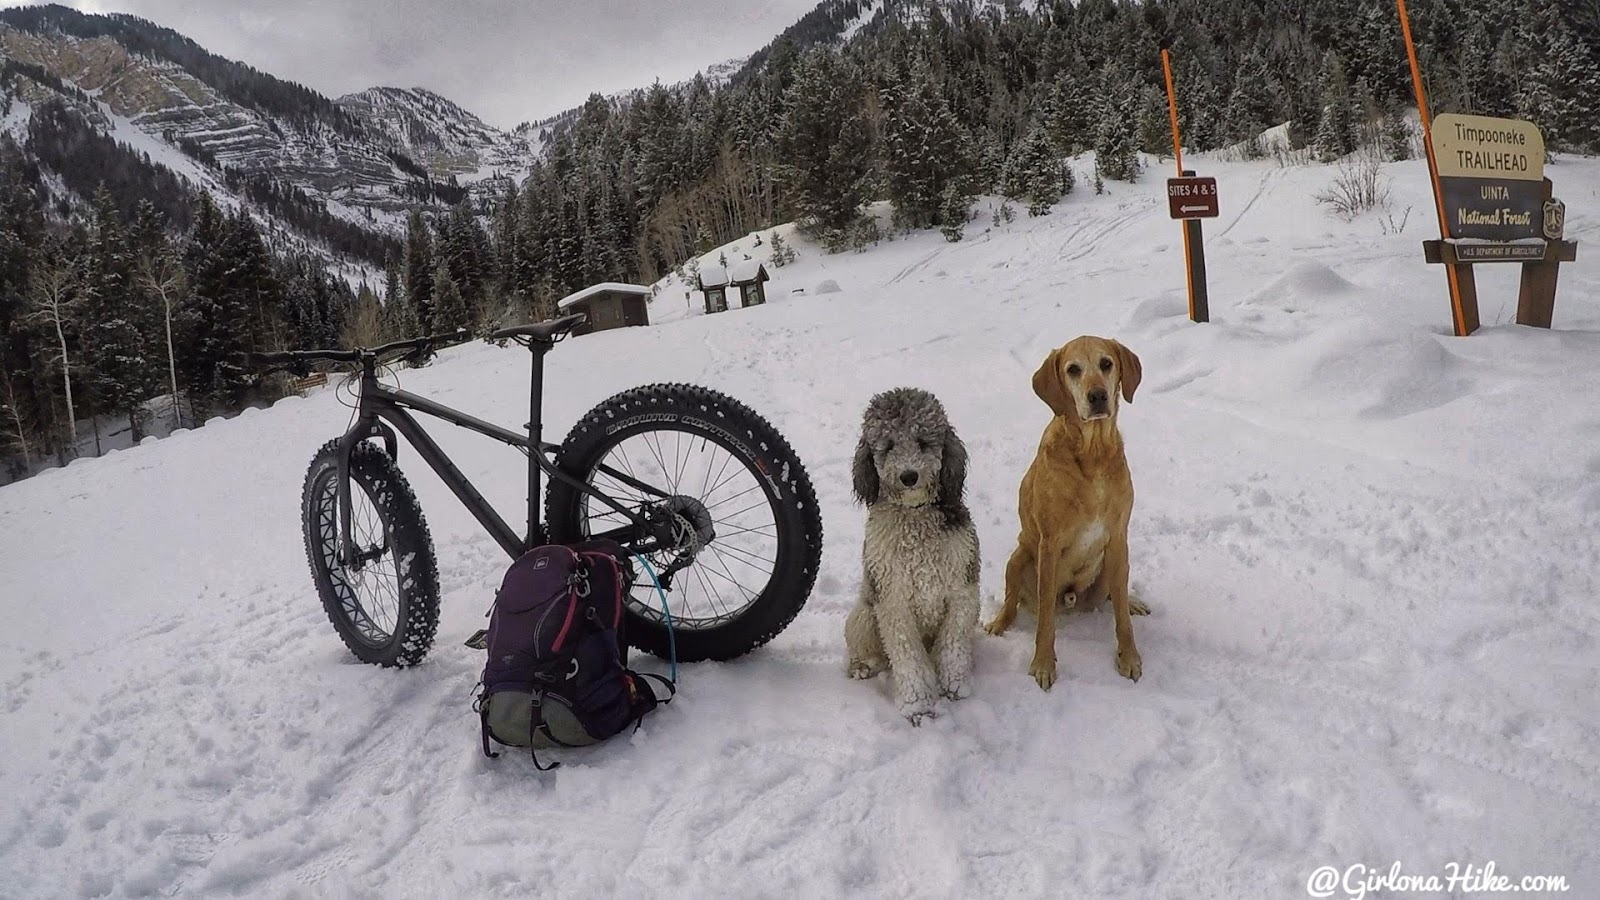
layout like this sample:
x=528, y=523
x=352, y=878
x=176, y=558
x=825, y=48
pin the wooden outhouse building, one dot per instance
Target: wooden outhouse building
x=713, y=282
x=749, y=276
x=610, y=304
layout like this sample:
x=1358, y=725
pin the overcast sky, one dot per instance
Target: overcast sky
x=509, y=61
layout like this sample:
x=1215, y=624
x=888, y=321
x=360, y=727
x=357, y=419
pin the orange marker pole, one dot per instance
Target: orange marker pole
x=1457, y=310
x=1194, y=251
x=1172, y=108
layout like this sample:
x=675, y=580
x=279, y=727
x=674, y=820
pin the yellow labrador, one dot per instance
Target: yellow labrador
x=1075, y=502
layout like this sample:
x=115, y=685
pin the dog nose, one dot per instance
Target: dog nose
x=1098, y=397
x=909, y=479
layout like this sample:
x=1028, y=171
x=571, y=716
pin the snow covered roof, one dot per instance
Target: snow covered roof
x=602, y=288
x=713, y=276
x=748, y=271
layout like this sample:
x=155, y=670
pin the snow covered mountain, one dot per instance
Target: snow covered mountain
x=437, y=133
x=367, y=159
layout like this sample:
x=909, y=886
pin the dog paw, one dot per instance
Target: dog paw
x=1043, y=671
x=955, y=689
x=1128, y=663
x=1137, y=607
x=998, y=625
x=860, y=668
x=918, y=712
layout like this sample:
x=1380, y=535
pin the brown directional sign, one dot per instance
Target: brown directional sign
x=1192, y=198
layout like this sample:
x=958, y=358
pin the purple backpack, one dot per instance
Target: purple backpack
x=556, y=673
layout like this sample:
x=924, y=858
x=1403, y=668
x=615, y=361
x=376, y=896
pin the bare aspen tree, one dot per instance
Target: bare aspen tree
x=163, y=275
x=54, y=303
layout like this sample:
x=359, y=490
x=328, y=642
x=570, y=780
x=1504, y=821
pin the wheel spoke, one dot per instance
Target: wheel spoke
x=730, y=548
x=724, y=577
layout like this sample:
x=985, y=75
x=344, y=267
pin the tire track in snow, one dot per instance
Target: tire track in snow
x=915, y=267
x=1267, y=180
x=1107, y=229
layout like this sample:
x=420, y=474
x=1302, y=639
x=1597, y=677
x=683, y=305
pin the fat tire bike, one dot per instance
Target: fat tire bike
x=688, y=479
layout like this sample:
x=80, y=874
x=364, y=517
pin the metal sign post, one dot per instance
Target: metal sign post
x=1189, y=199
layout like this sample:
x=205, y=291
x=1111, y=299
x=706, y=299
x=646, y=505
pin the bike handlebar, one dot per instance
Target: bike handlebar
x=298, y=358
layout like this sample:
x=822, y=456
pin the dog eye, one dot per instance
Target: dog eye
x=888, y=447
x=923, y=445
x=1074, y=370
x=1105, y=364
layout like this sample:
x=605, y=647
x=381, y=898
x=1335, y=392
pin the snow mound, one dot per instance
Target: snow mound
x=1298, y=289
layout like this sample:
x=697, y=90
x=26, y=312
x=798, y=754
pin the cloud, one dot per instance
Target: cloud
x=509, y=61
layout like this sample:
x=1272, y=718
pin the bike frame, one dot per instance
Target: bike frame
x=381, y=404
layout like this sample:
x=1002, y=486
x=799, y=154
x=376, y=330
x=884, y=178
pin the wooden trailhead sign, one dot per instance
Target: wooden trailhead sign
x=1192, y=198
x=1495, y=206
x=1491, y=177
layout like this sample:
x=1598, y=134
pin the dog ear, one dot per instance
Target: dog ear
x=1047, y=384
x=1132, y=372
x=952, y=477
x=864, y=474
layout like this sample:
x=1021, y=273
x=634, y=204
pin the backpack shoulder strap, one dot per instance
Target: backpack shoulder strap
x=672, y=687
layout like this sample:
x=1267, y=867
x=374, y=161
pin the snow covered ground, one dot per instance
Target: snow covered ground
x=1371, y=549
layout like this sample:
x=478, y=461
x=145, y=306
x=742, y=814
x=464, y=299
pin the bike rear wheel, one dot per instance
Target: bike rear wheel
x=385, y=603
x=748, y=533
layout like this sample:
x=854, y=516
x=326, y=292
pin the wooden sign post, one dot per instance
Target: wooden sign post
x=1494, y=205
x=1189, y=199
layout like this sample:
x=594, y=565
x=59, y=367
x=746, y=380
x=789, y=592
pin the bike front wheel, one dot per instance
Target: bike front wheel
x=383, y=596
x=746, y=533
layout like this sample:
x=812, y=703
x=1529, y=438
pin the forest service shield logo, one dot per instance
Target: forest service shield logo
x=1555, y=219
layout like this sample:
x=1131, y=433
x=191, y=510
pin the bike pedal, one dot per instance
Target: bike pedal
x=479, y=640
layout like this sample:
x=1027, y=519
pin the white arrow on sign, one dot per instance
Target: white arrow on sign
x=1193, y=208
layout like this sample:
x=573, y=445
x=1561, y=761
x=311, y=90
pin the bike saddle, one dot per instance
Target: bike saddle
x=547, y=332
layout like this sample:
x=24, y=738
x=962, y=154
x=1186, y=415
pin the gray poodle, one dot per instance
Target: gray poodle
x=919, y=589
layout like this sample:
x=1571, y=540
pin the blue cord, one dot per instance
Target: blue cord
x=672, y=641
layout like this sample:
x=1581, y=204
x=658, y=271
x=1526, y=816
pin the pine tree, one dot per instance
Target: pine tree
x=1336, y=130
x=1560, y=88
x=1155, y=125
x=1305, y=111
x=1250, y=108
x=1115, y=147
x=364, y=327
x=216, y=321
x=925, y=149
x=462, y=245
x=251, y=281
x=419, y=272
x=1368, y=115
x=1035, y=174
x=954, y=206
x=782, y=253
x=507, y=238
x=822, y=145
x=449, y=306
x=1396, y=135
x=114, y=345
x=1068, y=112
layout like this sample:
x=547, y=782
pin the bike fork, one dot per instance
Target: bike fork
x=366, y=427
